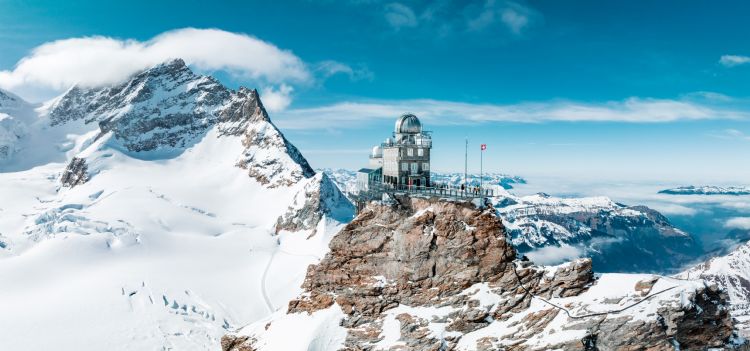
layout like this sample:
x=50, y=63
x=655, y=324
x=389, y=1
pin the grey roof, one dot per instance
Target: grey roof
x=366, y=170
x=408, y=123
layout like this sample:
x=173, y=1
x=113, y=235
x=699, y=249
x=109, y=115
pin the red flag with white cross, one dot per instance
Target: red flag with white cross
x=484, y=147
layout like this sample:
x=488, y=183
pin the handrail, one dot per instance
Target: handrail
x=444, y=190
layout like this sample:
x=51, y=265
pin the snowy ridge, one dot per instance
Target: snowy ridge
x=707, y=190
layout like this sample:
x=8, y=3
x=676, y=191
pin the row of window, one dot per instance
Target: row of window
x=410, y=152
x=414, y=166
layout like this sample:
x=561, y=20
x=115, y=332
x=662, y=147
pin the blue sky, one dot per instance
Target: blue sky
x=606, y=90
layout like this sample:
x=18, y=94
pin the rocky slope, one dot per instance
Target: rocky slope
x=617, y=237
x=731, y=273
x=423, y=274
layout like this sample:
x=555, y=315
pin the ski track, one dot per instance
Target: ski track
x=263, y=291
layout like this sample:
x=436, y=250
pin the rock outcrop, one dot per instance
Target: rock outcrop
x=75, y=173
x=437, y=275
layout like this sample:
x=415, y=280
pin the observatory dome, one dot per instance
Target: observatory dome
x=408, y=124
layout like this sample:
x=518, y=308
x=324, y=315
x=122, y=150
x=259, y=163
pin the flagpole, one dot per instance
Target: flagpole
x=481, y=169
x=466, y=163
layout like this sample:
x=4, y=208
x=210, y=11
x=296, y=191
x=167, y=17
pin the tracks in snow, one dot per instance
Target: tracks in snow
x=263, y=290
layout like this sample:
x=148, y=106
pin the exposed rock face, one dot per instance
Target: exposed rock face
x=75, y=173
x=320, y=197
x=168, y=108
x=436, y=275
x=414, y=254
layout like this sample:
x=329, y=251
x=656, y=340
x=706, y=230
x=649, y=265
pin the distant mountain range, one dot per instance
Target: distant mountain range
x=618, y=238
x=347, y=179
x=707, y=190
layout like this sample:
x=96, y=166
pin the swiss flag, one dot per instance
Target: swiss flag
x=484, y=147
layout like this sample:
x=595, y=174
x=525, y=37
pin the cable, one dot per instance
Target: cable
x=518, y=278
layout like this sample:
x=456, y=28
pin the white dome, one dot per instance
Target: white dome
x=377, y=152
x=409, y=124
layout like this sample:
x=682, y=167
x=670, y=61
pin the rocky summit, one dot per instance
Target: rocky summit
x=428, y=274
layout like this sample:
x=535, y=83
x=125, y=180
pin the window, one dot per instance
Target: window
x=420, y=152
x=426, y=166
x=404, y=166
x=414, y=168
x=410, y=152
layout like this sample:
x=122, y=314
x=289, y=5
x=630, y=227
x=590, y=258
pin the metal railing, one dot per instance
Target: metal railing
x=440, y=190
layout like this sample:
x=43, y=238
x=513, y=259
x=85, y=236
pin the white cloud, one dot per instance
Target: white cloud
x=514, y=20
x=732, y=134
x=329, y=68
x=632, y=110
x=399, y=15
x=734, y=60
x=96, y=61
x=674, y=209
x=738, y=223
x=275, y=100
x=510, y=14
x=550, y=255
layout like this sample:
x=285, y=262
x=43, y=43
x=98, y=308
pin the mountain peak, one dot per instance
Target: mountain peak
x=168, y=108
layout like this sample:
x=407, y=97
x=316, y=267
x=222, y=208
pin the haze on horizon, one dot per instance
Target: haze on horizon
x=631, y=90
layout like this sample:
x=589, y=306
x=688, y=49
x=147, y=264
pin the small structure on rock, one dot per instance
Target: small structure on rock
x=401, y=164
x=401, y=160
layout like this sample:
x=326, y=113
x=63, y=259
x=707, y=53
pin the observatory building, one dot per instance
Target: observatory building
x=401, y=160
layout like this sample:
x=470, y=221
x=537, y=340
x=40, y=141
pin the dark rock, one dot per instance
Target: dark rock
x=75, y=173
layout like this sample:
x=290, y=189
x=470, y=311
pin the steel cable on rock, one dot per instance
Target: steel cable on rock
x=520, y=284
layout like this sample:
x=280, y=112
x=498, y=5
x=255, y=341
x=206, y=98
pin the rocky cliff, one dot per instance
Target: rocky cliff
x=423, y=274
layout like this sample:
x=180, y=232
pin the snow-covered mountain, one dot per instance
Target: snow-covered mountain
x=159, y=213
x=617, y=237
x=707, y=190
x=731, y=273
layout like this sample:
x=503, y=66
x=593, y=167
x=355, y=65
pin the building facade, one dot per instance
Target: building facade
x=404, y=158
